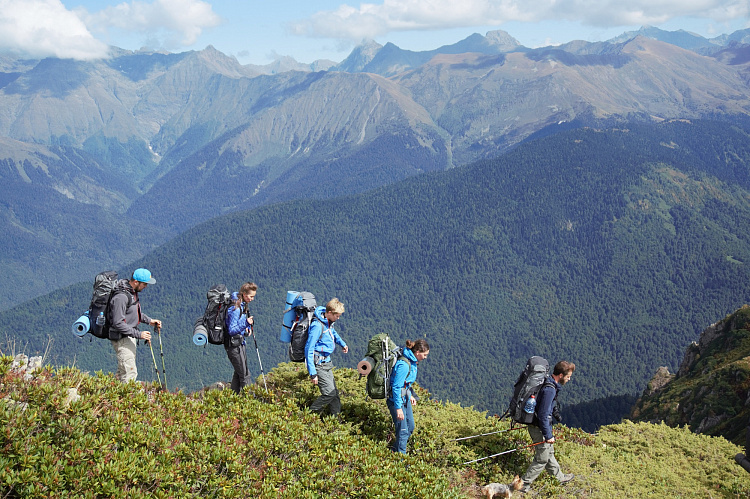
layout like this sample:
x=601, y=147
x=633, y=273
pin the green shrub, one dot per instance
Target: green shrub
x=137, y=441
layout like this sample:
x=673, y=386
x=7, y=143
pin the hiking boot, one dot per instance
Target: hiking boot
x=567, y=477
x=525, y=489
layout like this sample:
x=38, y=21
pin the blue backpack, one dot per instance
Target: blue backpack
x=303, y=308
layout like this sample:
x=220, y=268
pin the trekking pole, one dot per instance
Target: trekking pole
x=161, y=352
x=259, y=362
x=485, y=434
x=156, y=368
x=505, y=452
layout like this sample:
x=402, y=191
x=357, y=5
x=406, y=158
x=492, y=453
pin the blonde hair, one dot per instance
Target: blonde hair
x=335, y=306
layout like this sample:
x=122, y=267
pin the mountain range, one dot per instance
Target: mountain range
x=126, y=153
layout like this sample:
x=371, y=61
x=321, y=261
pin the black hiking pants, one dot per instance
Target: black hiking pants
x=238, y=358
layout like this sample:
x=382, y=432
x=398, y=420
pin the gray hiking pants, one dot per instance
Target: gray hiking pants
x=238, y=358
x=125, y=352
x=329, y=395
x=544, y=458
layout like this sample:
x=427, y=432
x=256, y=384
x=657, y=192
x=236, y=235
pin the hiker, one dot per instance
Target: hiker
x=239, y=324
x=541, y=429
x=401, y=397
x=124, y=317
x=322, y=339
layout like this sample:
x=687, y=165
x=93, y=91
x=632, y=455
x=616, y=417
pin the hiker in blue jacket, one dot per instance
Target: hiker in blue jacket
x=322, y=339
x=541, y=430
x=239, y=324
x=400, y=395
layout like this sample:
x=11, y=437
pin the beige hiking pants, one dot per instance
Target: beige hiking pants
x=125, y=351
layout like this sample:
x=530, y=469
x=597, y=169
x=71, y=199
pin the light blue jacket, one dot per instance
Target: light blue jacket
x=321, y=341
x=401, y=378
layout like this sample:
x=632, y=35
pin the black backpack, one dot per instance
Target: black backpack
x=382, y=355
x=304, y=307
x=212, y=324
x=104, y=290
x=530, y=381
x=96, y=319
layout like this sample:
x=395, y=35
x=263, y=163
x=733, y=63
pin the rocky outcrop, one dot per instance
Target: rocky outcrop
x=28, y=368
x=659, y=381
x=711, y=391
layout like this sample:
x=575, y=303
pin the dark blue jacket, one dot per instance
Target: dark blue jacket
x=545, y=403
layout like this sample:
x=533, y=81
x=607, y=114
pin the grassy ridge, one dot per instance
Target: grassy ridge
x=137, y=441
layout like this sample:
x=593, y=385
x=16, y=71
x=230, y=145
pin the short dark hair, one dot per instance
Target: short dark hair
x=563, y=367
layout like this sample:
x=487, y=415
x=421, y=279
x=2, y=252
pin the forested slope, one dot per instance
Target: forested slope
x=609, y=248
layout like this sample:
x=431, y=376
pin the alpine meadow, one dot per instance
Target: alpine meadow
x=588, y=202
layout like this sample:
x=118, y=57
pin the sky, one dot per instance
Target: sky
x=260, y=31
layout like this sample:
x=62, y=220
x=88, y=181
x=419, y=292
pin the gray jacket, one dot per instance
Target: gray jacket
x=125, y=312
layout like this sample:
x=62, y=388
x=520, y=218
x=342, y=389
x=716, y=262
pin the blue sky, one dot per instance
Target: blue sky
x=258, y=31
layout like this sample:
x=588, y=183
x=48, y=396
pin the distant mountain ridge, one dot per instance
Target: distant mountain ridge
x=171, y=140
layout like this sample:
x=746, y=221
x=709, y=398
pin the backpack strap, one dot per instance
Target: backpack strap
x=115, y=291
x=551, y=384
x=406, y=388
x=313, y=318
x=408, y=362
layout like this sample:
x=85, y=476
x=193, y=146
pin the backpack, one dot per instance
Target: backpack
x=382, y=355
x=212, y=325
x=530, y=382
x=303, y=306
x=104, y=285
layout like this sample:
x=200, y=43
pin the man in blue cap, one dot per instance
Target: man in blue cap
x=124, y=317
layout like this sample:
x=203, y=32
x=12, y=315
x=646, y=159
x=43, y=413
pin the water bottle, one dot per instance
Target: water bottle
x=530, y=405
x=100, y=319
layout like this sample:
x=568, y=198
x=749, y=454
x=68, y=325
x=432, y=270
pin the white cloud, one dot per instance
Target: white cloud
x=370, y=20
x=44, y=28
x=175, y=23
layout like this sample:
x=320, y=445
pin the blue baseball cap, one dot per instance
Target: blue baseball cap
x=143, y=275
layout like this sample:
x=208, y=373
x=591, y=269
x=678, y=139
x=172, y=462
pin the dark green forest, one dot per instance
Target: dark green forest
x=612, y=249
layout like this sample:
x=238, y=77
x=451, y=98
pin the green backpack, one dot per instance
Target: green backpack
x=382, y=355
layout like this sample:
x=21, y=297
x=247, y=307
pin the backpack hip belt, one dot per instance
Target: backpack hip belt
x=319, y=358
x=405, y=391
